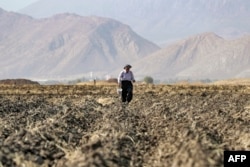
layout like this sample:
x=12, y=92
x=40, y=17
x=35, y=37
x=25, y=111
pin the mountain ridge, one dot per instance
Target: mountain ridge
x=73, y=46
x=159, y=21
x=203, y=56
x=68, y=44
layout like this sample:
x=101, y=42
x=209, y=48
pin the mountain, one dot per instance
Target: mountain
x=66, y=45
x=160, y=21
x=203, y=56
x=73, y=46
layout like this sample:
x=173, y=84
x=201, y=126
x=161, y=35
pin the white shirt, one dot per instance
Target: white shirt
x=126, y=76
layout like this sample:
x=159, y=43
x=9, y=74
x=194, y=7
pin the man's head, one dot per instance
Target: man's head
x=127, y=66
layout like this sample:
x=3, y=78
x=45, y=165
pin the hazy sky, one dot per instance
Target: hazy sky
x=15, y=5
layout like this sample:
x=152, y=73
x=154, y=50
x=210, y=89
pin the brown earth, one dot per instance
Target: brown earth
x=18, y=82
x=84, y=125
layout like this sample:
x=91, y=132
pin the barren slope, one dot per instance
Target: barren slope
x=203, y=56
x=161, y=20
x=66, y=45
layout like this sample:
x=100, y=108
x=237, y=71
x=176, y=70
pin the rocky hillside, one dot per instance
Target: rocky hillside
x=71, y=46
x=66, y=45
x=162, y=20
x=204, y=56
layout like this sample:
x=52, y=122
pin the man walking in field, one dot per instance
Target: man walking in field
x=125, y=82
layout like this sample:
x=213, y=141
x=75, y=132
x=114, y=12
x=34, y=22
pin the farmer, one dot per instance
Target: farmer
x=125, y=81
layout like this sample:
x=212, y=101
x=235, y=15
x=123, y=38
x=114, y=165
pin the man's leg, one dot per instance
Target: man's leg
x=129, y=92
x=124, y=91
x=124, y=95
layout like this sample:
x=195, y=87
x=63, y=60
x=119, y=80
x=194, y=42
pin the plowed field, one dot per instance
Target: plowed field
x=85, y=126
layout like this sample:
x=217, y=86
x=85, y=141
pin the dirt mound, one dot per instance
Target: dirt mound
x=18, y=82
x=184, y=126
x=240, y=81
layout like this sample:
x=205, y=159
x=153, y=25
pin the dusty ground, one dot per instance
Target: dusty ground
x=169, y=125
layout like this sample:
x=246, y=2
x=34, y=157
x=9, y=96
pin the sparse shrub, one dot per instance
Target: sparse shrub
x=148, y=80
x=112, y=80
x=206, y=81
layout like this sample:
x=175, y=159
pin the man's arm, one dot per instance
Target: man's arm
x=133, y=78
x=119, y=79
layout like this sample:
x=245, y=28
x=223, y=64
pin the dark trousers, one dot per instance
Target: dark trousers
x=127, y=91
